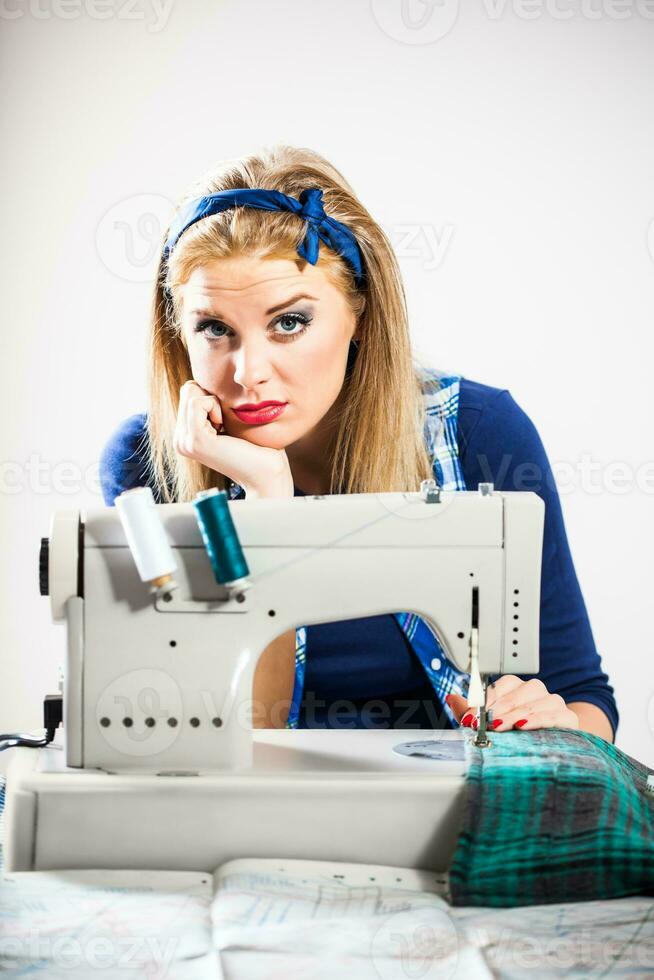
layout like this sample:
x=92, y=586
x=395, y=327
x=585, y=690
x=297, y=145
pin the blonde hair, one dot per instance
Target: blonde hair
x=378, y=442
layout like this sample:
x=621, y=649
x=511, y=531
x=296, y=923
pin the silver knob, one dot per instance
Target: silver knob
x=430, y=491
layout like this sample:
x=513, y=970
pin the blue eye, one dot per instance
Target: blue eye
x=204, y=325
x=294, y=319
x=207, y=327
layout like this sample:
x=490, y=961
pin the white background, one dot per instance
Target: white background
x=507, y=149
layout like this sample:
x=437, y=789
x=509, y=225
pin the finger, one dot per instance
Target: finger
x=198, y=410
x=524, y=693
x=189, y=390
x=192, y=389
x=181, y=423
x=458, y=704
x=550, y=711
x=465, y=715
x=201, y=407
x=183, y=399
x=549, y=719
x=500, y=687
x=192, y=426
x=215, y=413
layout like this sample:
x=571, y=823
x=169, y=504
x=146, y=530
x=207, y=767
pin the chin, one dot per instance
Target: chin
x=260, y=437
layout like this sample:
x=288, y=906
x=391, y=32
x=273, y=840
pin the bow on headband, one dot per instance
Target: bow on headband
x=319, y=225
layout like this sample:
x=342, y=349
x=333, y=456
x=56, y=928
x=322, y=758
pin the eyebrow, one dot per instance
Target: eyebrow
x=273, y=309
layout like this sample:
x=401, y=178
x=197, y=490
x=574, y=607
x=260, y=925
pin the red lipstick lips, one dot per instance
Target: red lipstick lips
x=262, y=412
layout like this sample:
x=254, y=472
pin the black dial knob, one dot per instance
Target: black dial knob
x=44, y=566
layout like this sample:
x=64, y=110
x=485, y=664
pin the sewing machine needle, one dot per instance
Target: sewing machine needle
x=481, y=739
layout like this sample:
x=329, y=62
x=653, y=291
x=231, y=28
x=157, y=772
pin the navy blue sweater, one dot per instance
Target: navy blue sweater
x=498, y=443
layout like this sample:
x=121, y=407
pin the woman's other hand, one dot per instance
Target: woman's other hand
x=517, y=704
x=199, y=434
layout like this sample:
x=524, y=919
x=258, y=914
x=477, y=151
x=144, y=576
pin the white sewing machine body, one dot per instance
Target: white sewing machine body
x=160, y=766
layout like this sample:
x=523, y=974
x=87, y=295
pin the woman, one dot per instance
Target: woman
x=275, y=284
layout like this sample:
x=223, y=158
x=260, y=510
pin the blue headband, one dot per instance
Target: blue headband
x=320, y=226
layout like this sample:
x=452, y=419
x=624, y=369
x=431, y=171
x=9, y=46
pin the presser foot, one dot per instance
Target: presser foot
x=481, y=739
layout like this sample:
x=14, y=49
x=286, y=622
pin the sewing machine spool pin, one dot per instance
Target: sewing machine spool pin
x=163, y=587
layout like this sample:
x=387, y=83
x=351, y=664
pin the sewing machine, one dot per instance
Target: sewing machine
x=157, y=765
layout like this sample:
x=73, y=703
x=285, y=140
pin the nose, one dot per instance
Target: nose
x=251, y=364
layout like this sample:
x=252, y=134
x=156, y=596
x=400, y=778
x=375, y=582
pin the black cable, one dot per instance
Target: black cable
x=53, y=706
x=11, y=739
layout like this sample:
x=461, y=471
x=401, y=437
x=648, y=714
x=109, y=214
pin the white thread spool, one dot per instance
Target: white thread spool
x=146, y=538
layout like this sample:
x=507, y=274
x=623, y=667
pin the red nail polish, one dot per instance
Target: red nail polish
x=519, y=724
x=496, y=723
x=466, y=721
x=475, y=723
x=448, y=698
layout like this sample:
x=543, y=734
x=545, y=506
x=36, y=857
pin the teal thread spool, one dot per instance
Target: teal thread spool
x=220, y=538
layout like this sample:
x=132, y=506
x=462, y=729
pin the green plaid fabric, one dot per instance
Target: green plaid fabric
x=553, y=815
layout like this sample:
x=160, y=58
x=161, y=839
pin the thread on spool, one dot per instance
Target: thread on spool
x=146, y=537
x=220, y=537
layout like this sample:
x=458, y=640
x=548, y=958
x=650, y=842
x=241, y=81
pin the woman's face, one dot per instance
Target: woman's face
x=259, y=330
